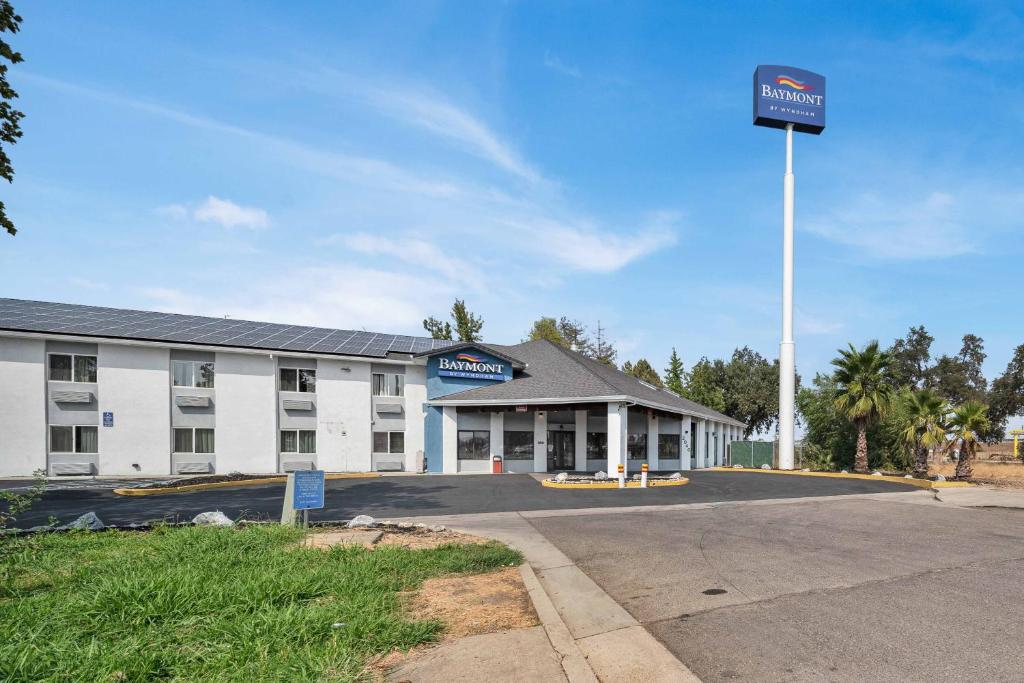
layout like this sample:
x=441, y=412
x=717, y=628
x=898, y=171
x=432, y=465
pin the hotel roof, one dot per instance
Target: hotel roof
x=116, y=323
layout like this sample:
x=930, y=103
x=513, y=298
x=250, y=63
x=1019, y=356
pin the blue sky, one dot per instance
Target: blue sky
x=361, y=164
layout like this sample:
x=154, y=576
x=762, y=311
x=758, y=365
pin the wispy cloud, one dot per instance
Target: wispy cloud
x=226, y=213
x=552, y=62
x=428, y=110
x=412, y=251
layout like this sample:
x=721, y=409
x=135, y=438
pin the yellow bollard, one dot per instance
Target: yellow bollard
x=643, y=475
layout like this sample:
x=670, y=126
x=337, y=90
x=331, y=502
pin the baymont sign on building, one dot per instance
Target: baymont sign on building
x=471, y=366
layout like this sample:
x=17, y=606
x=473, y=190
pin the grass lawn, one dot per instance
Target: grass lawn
x=208, y=604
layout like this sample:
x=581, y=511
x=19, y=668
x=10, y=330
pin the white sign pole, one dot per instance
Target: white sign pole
x=787, y=348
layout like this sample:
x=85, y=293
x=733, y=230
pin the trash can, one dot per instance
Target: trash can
x=496, y=465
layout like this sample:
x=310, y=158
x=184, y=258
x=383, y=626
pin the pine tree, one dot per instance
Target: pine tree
x=675, y=373
x=603, y=351
x=467, y=325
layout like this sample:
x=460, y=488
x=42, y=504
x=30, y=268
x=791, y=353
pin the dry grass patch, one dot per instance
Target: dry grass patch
x=472, y=605
x=1010, y=474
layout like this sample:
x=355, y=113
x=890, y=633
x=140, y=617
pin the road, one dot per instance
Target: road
x=852, y=589
x=403, y=496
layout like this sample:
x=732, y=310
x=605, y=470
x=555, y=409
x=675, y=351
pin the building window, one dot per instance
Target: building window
x=76, y=439
x=388, y=384
x=518, y=445
x=192, y=373
x=474, y=444
x=636, y=445
x=302, y=380
x=197, y=440
x=668, y=446
x=597, y=446
x=66, y=367
x=298, y=441
x=389, y=442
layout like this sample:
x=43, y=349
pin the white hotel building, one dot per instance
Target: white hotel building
x=102, y=391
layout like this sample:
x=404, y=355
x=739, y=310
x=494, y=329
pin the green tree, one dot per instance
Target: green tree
x=547, y=328
x=675, y=373
x=644, y=371
x=467, y=325
x=966, y=423
x=438, y=329
x=924, y=427
x=750, y=386
x=602, y=350
x=10, y=118
x=911, y=359
x=702, y=386
x=864, y=392
x=959, y=378
x=1006, y=397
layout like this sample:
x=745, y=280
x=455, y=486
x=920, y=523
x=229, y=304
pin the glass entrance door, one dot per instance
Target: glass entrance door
x=561, y=451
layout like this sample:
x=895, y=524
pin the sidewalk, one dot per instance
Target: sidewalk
x=980, y=496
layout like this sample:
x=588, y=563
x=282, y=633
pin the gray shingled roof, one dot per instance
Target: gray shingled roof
x=117, y=323
x=556, y=373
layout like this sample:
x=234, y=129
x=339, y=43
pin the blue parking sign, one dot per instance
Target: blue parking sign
x=108, y=419
x=308, y=493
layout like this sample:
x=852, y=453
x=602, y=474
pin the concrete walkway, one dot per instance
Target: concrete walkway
x=982, y=496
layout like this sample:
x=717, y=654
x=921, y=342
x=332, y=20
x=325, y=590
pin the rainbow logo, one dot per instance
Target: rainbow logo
x=469, y=358
x=792, y=83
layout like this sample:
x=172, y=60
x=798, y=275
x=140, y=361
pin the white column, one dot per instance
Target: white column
x=720, y=444
x=684, y=442
x=701, y=443
x=449, y=440
x=497, y=436
x=581, y=440
x=540, y=441
x=652, y=442
x=617, y=430
x=787, y=347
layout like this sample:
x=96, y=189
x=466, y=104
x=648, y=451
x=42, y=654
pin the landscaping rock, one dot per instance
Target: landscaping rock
x=88, y=522
x=939, y=477
x=437, y=527
x=908, y=476
x=876, y=473
x=766, y=466
x=601, y=475
x=676, y=475
x=843, y=472
x=405, y=525
x=561, y=476
x=737, y=467
x=215, y=518
x=361, y=521
x=806, y=469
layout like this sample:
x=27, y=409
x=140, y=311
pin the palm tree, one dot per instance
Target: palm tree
x=863, y=391
x=926, y=414
x=968, y=420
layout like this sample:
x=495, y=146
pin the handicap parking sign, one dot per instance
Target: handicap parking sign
x=309, y=490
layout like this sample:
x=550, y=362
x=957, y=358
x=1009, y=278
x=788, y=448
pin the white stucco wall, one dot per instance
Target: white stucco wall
x=415, y=415
x=22, y=406
x=449, y=440
x=246, y=436
x=344, y=432
x=136, y=389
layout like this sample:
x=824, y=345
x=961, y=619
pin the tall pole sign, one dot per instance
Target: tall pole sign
x=793, y=100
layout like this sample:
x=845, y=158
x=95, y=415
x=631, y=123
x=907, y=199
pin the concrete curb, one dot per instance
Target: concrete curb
x=919, y=483
x=574, y=664
x=156, y=491
x=615, y=646
x=610, y=484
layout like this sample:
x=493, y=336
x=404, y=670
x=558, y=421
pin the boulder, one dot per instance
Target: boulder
x=436, y=527
x=939, y=477
x=361, y=521
x=806, y=469
x=601, y=475
x=405, y=525
x=766, y=466
x=676, y=475
x=844, y=472
x=737, y=467
x=88, y=522
x=213, y=518
x=908, y=476
x=876, y=473
x=561, y=476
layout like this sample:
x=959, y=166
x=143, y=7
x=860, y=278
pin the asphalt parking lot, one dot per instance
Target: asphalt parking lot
x=405, y=496
x=854, y=589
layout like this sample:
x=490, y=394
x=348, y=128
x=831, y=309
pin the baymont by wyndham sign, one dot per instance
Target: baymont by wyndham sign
x=469, y=366
x=785, y=94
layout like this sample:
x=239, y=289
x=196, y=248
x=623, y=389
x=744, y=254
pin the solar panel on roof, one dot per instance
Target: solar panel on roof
x=97, y=321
